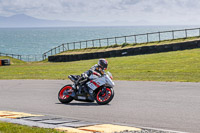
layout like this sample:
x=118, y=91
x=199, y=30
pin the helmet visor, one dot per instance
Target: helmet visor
x=105, y=66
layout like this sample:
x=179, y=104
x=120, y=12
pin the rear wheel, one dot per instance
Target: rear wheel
x=64, y=94
x=104, y=96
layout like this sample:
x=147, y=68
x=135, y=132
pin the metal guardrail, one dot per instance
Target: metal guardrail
x=146, y=38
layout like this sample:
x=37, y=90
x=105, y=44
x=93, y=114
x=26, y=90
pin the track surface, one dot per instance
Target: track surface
x=165, y=105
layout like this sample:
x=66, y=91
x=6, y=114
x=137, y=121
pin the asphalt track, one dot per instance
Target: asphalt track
x=164, y=105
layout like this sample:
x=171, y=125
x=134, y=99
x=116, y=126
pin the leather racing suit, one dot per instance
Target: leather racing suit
x=96, y=70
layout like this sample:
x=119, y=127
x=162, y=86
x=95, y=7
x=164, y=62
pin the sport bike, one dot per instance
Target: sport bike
x=94, y=88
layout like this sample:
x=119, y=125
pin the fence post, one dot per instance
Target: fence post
x=100, y=42
x=93, y=43
x=185, y=33
x=199, y=31
x=45, y=56
x=107, y=42
x=68, y=46
x=172, y=35
x=86, y=44
x=135, y=39
x=63, y=47
x=74, y=45
x=80, y=45
x=115, y=40
x=159, y=36
x=55, y=50
x=147, y=37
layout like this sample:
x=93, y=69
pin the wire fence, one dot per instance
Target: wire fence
x=135, y=39
x=32, y=58
x=12, y=55
x=119, y=40
x=28, y=58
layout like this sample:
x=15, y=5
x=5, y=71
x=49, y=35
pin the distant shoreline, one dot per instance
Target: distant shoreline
x=43, y=27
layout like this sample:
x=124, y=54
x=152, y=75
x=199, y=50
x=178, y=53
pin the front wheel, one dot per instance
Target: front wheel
x=64, y=95
x=104, y=96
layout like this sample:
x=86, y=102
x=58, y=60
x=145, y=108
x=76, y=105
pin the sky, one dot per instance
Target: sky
x=145, y=12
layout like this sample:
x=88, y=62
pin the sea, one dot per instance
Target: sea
x=36, y=41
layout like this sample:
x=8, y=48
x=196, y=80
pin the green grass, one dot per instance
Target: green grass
x=170, y=66
x=125, y=45
x=15, y=128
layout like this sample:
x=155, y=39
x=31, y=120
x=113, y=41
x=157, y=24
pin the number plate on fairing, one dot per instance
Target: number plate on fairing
x=91, y=85
x=96, y=83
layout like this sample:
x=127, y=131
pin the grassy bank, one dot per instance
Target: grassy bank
x=125, y=45
x=169, y=66
x=15, y=128
x=13, y=60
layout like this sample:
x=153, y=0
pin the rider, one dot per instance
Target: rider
x=97, y=69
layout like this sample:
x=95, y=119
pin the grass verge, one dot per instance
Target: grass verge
x=15, y=128
x=125, y=45
x=170, y=66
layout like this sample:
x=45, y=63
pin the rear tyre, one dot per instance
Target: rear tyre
x=105, y=97
x=64, y=95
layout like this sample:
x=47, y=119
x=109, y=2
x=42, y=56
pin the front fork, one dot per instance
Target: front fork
x=74, y=87
x=103, y=90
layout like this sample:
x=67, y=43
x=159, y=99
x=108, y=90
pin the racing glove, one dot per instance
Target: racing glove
x=84, y=75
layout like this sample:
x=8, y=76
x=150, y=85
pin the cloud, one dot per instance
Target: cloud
x=130, y=2
x=152, y=11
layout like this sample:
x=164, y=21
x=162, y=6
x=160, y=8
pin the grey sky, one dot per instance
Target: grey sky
x=141, y=11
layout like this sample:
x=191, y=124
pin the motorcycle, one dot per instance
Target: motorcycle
x=95, y=88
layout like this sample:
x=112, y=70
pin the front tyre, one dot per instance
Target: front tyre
x=64, y=95
x=104, y=96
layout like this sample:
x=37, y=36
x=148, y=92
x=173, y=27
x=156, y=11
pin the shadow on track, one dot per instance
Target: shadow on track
x=82, y=104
